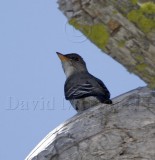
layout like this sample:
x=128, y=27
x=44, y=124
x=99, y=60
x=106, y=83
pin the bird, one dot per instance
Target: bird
x=81, y=88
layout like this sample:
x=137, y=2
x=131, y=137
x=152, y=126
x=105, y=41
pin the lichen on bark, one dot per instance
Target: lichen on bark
x=97, y=33
x=143, y=17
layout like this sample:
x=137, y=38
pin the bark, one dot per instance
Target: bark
x=122, y=131
x=123, y=29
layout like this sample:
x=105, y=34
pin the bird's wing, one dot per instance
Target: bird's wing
x=104, y=91
x=88, y=85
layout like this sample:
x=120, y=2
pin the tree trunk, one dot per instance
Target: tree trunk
x=122, y=131
x=123, y=29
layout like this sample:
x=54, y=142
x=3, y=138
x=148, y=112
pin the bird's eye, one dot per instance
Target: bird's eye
x=75, y=59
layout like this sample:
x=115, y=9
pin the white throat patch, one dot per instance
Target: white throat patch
x=68, y=68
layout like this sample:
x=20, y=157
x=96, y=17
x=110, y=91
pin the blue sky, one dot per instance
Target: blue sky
x=31, y=96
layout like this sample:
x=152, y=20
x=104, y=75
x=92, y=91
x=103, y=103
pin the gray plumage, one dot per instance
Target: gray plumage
x=82, y=89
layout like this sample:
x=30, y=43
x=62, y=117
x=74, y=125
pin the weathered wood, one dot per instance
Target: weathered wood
x=124, y=29
x=123, y=131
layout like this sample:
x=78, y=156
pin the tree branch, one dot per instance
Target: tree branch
x=125, y=30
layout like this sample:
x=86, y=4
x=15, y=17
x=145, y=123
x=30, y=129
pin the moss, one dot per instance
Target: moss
x=139, y=58
x=96, y=33
x=121, y=43
x=144, y=23
x=150, y=79
x=152, y=82
x=133, y=50
x=141, y=20
x=134, y=1
x=114, y=12
x=148, y=8
x=140, y=67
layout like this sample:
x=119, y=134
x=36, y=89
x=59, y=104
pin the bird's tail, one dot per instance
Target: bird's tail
x=109, y=101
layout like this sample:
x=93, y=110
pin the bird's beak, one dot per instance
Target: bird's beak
x=62, y=57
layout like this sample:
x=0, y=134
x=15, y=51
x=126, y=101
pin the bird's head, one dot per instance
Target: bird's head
x=72, y=63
